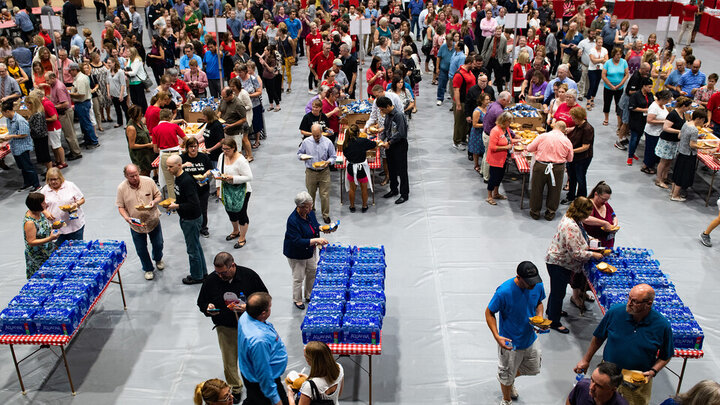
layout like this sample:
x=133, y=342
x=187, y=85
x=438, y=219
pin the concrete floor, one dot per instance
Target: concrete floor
x=447, y=250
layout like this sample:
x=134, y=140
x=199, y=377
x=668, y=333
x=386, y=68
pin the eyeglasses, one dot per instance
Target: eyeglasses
x=633, y=300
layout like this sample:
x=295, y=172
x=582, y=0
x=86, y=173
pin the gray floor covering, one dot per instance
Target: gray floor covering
x=447, y=250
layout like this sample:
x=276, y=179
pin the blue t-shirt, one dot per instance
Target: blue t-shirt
x=457, y=59
x=621, y=333
x=670, y=401
x=615, y=73
x=212, y=68
x=516, y=306
x=690, y=81
x=444, y=54
x=674, y=77
x=415, y=7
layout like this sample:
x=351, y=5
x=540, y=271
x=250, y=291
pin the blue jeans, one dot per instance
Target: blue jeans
x=634, y=140
x=650, y=159
x=23, y=162
x=83, y=114
x=77, y=235
x=196, y=257
x=415, y=25
x=442, y=84
x=140, y=242
x=716, y=129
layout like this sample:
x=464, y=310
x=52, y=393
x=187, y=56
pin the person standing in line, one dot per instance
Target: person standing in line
x=517, y=299
x=494, y=110
x=493, y=52
x=20, y=145
x=635, y=324
x=133, y=192
x=261, y=353
x=198, y=165
x=396, y=148
x=462, y=81
x=187, y=205
x=60, y=98
x=165, y=142
x=234, y=189
x=317, y=172
x=582, y=138
x=222, y=299
x=82, y=94
x=599, y=389
x=302, y=236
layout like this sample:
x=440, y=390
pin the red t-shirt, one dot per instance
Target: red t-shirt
x=463, y=75
x=713, y=107
x=182, y=88
x=689, y=12
x=152, y=117
x=563, y=114
x=314, y=43
x=50, y=110
x=166, y=134
x=589, y=16
x=321, y=63
x=334, y=121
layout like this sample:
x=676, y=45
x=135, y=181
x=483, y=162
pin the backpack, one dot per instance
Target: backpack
x=316, y=396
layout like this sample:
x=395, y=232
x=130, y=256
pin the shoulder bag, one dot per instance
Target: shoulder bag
x=233, y=195
x=316, y=396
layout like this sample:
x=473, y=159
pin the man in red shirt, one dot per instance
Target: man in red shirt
x=463, y=80
x=321, y=62
x=713, y=109
x=314, y=45
x=179, y=85
x=54, y=129
x=688, y=21
x=165, y=142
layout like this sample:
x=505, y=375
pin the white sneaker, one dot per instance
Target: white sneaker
x=160, y=265
x=462, y=147
x=513, y=392
x=149, y=275
x=439, y=102
x=505, y=402
x=456, y=146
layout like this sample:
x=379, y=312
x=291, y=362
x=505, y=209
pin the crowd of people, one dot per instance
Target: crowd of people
x=557, y=64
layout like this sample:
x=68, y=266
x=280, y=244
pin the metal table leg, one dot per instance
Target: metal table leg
x=712, y=181
x=67, y=368
x=122, y=290
x=342, y=184
x=522, y=189
x=17, y=370
x=370, y=378
x=682, y=373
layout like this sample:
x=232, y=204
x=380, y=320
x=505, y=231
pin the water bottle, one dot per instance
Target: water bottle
x=241, y=297
x=578, y=378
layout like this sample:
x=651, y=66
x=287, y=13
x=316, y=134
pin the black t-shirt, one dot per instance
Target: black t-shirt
x=634, y=83
x=637, y=118
x=354, y=150
x=349, y=67
x=246, y=281
x=677, y=123
x=213, y=134
x=186, y=196
x=310, y=119
x=200, y=165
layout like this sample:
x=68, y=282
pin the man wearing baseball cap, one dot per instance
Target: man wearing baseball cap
x=517, y=300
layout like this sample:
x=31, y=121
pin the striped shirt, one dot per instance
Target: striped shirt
x=19, y=126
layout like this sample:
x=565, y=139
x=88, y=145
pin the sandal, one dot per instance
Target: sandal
x=662, y=185
x=232, y=236
x=250, y=159
x=477, y=169
x=581, y=307
x=589, y=297
x=605, y=123
x=560, y=329
x=385, y=182
x=240, y=244
x=500, y=197
x=491, y=201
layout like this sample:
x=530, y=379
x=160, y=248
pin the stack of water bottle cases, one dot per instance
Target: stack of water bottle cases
x=57, y=297
x=347, y=303
x=637, y=266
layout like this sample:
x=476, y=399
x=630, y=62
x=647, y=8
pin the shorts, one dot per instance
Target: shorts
x=512, y=363
x=361, y=175
x=241, y=216
x=624, y=108
x=55, y=138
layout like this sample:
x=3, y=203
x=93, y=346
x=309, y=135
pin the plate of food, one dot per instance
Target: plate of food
x=606, y=268
x=519, y=147
x=634, y=377
x=3, y=130
x=330, y=228
x=58, y=224
x=144, y=207
x=166, y=202
x=66, y=208
x=295, y=380
x=305, y=156
x=540, y=321
x=318, y=165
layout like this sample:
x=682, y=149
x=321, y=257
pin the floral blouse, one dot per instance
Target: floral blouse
x=569, y=246
x=703, y=94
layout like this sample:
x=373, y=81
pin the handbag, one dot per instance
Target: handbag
x=316, y=396
x=416, y=76
x=233, y=195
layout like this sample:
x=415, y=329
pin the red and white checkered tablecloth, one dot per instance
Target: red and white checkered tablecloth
x=55, y=340
x=689, y=353
x=4, y=150
x=201, y=144
x=709, y=161
x=521, y=162
x=373, y=163
x=351, y=349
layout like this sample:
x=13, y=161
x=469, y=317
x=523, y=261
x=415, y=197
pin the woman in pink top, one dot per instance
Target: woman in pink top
x=59, y=192
x=498, y=147
x=563, y=110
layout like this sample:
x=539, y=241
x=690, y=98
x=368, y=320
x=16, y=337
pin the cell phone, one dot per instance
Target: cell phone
x=214, y=310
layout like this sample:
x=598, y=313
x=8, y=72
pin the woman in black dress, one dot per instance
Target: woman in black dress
x=355, y=151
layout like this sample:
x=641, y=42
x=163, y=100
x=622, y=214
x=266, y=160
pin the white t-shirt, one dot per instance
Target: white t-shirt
x=322, y=386
x=660, y=114
x=586, y=46
x=595, y=54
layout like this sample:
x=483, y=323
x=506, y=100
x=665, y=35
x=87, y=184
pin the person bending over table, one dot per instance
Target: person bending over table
x=566, y=257
x=165, y=142
x=214, y=391
x=60, y=193
x=39, y=236
x=358, y=172
x=686, y=161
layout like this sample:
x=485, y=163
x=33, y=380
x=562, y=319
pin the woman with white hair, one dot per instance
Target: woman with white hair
x=302, y=236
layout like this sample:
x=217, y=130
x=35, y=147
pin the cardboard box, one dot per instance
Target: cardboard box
x=528, y=122
x=358, y=119
x=192, y=116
